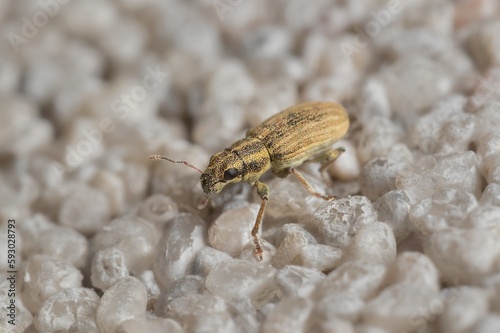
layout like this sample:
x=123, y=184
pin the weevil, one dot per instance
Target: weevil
x=298, y=134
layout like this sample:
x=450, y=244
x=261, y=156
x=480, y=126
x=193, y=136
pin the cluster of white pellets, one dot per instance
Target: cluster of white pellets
x=108, y=241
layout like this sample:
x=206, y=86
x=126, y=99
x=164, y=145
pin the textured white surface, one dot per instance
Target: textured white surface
x=89, y=89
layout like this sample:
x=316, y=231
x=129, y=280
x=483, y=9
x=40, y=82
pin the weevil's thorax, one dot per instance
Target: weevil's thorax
x=255, y=156
x=246, y=160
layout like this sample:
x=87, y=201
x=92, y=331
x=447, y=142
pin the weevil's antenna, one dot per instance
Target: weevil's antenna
x=159, y=157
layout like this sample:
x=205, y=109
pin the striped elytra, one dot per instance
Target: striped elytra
x=301, y=132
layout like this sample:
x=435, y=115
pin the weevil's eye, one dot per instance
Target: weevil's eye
x=230, y=173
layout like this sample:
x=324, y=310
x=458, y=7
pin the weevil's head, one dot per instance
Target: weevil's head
x=224, y=168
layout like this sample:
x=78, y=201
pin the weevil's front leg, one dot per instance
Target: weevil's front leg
x=329, y=157
x=263, y=192
x=309, y=187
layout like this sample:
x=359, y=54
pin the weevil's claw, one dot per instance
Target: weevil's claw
x=328, y=197
x=258, y=248
x=203, y=203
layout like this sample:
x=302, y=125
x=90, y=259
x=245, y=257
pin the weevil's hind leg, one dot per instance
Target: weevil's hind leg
x=263, y=192
x=329, y=157
x=309, y=187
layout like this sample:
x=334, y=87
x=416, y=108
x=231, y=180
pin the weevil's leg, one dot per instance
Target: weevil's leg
x=329, y=157
x=309, y=187
x=263, y=192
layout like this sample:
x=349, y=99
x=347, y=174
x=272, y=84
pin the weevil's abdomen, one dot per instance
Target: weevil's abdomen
x=301, y=132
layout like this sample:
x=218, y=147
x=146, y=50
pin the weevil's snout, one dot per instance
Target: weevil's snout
x=208, y=183
x=224, y=167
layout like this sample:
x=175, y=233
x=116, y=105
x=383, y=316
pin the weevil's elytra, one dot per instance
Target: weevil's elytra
x=301, y=133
